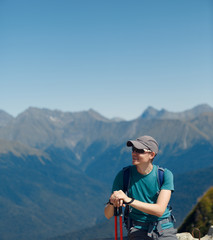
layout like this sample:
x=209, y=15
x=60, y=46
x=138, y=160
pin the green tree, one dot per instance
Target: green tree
x=201, y=216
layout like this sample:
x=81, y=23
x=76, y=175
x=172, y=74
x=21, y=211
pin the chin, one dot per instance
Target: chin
x=134, y=163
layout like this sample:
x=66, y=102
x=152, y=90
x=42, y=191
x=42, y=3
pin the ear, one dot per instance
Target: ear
x=152, y=154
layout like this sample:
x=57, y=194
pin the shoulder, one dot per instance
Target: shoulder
x=165, y=171
x=168, y=173
x=118, y=181
x=119, y=175
x=124, y=170
x=168, y=182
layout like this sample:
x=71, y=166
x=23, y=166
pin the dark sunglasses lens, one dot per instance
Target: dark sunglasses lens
x=134, y=149
x=137, y=150
x=140, y=151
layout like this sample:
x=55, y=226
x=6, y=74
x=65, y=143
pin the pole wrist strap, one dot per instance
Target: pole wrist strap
x=129, y=201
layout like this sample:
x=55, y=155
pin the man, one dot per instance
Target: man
x=149, y=214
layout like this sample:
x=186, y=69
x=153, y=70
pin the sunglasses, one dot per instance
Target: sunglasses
x=141, y=151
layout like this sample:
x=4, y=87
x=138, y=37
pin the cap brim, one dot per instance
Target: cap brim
x=136, y=144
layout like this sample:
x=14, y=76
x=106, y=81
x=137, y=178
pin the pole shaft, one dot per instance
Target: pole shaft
x=116, y=228
x=121, y=228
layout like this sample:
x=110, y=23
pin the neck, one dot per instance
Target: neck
x=145, y=169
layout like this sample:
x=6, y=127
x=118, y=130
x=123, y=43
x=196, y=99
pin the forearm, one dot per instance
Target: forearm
x=152, y=209
x=109, y=211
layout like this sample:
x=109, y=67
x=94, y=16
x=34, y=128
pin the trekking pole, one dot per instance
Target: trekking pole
x=118, y=212
x=116, y=224
x=121, y=225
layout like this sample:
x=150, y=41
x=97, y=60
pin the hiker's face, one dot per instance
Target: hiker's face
x=139, y=158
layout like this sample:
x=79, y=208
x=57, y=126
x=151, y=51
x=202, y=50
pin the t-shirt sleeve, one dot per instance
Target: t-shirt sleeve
x=168, y=183
x=118, y=182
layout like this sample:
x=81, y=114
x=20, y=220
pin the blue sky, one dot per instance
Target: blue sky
x=116, y=57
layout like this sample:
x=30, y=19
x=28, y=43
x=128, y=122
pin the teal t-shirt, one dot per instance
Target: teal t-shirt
x=145, y=188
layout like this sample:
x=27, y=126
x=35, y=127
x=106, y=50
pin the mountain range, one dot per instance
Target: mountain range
x=57, y=168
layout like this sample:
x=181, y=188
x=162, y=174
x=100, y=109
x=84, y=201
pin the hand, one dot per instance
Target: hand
x=118, y=198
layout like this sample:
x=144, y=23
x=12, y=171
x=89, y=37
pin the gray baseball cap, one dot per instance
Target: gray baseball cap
x=144, y=142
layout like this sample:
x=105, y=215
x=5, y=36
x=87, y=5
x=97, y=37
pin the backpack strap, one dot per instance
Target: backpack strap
x=126, y=185
x=126, y=179
x=160, y=174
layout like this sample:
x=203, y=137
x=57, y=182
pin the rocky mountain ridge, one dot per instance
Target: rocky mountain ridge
x=41, y=128
x=152, y=113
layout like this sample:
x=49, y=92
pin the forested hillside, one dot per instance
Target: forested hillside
x=201, y=216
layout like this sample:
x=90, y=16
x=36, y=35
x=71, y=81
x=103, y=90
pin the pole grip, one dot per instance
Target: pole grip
x=120, y=211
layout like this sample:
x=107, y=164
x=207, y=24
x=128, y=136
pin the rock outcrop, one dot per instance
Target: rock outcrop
x=188, y=236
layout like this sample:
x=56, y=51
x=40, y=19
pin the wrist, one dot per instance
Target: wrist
x=131, y=200
x=109, y=202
